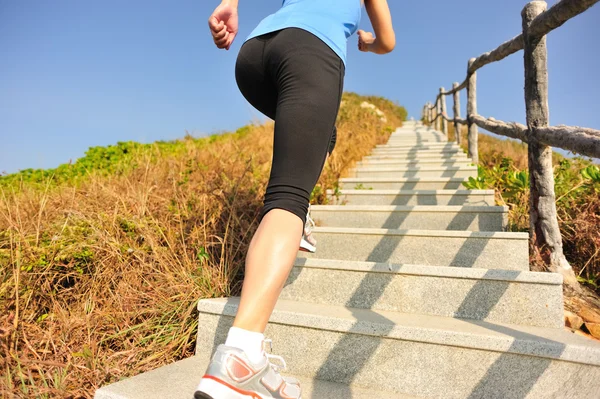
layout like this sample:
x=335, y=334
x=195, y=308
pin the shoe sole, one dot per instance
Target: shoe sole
x=305, y=246
x=222, y=390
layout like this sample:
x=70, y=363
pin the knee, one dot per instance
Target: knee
x=288, y=200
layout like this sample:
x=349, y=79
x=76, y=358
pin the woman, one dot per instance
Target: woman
x=291, y=68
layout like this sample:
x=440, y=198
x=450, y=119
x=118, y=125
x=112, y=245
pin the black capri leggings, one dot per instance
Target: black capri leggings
x=294, y=78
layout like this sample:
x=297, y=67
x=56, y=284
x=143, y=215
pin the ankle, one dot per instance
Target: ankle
x=250, y=342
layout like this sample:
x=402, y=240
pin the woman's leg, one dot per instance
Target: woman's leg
x=274, y=245
x=309, y=78
x=271, y=255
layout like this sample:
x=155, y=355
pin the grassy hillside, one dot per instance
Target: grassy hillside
x=102, y=261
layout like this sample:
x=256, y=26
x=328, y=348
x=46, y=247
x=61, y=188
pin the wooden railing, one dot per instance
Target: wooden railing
x=538, y=21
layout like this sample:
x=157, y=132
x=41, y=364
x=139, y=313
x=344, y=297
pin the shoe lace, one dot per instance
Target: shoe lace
x=270, y=356
x=310, y=223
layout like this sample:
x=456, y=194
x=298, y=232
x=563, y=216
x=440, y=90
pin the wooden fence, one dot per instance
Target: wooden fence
x=538, y=21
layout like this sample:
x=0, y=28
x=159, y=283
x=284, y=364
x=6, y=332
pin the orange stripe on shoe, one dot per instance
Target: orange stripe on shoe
x=253, y=395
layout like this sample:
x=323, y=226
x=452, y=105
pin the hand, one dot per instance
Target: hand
x=365, y=39
x=223, y=24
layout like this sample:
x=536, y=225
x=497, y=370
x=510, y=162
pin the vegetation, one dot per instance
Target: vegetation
x=503, y=167
x=102, y=261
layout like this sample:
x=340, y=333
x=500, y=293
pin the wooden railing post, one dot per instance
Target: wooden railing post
x=443, y=108
x=456, y=110
x=544, y=231
x=438, y=105
x=428, y=113
x=431, y=115
x=472, y=111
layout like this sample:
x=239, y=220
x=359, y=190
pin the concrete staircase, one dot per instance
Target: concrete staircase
x=415, y=291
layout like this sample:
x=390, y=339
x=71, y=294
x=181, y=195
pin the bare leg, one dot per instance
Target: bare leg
x=270, y=258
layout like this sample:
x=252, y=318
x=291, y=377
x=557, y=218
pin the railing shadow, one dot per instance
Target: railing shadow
x=450, y=173
x=364, y=294
x=477, y=304
x=502, y=379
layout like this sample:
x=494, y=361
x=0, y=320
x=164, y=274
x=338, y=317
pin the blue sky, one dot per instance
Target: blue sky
x=76, y=74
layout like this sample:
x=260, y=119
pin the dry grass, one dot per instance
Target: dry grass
x=99, y=280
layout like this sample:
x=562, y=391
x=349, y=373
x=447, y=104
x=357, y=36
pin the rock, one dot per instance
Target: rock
x=572, y=320
x=365, y=104
x=589, y=315
x=582, y=333
x=594, y=329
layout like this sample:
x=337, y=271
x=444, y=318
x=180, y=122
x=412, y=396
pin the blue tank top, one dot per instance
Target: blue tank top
x=332, y=21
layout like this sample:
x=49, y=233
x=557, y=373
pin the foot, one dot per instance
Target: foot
x=231, y=375
x=308, y=242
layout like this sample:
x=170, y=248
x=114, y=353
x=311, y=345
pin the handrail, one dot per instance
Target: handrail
x=546, y=22
x=538, y=21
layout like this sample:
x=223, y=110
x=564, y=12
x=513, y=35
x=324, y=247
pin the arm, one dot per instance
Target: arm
x=384, y=40
x=223, y=23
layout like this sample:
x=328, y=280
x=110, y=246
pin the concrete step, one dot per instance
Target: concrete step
x=402, y=145
x=463, y=218
x=407, y=131
x=421, y=137
x=410, y=146
x=414, y=157
x=417, y=141
x=412, y=197
x=496, y=296
x=484, y=250
x=422, y=172
x=427, y=356
x=415, y=151
x=180, y=379
x=401, y=183
x=417, y=163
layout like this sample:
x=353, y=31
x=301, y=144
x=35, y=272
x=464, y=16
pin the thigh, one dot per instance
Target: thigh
x=252, y=79
x=309, y=80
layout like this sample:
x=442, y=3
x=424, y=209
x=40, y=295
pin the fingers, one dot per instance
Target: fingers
x=362, y=46
x=219, y=32
x=229, y=41
x=215, y=25
x=222, y=37
x=222, y=43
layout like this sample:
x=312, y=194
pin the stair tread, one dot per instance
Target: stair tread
x=415, y=168
x=525, y=277
x=412, y=192
x=413, y=208
x=426, y=233
x=401, y=179
x=179, y=380
x=551, y=343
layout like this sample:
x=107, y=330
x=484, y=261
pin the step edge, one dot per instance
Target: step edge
x=579, y=352
x=401, y=269
x=112, y=390
x=499, y=235
x=350, y=191
x=416, y=208
x=400, y=179
x=410, y=169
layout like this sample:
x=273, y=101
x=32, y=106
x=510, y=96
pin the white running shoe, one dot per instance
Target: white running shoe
x=231, y=375
x=308, y=242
